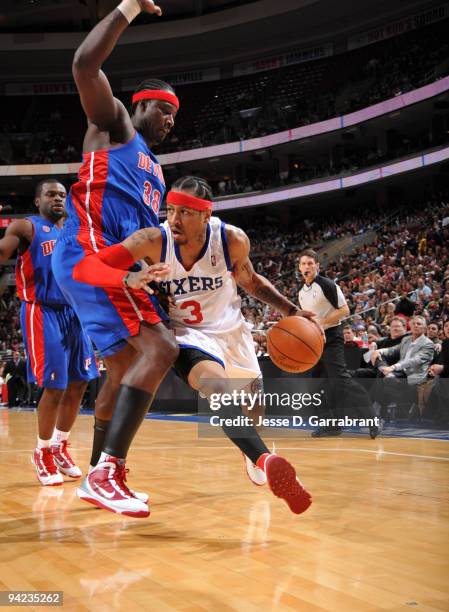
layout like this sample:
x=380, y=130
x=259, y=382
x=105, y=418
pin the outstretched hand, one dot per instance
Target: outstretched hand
x=148, y=6
x=140, y=280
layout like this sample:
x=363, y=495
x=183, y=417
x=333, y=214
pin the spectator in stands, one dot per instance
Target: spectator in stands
x=422, y=291
x=389, y=314
x=438, y=404
x=397, y=331
x=410, y=360
x=433, y=333
x=349, y=336
x=444, y=308
x=373, y=334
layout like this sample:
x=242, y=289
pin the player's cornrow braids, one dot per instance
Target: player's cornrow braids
x=196, y=185
x=151, y=84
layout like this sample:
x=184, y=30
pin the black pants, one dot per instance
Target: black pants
x=438, y=405
x=17, y=391
x=347, y=395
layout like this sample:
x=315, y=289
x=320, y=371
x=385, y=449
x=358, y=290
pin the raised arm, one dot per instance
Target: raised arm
x=97, y=99
x=19, y=233
x=255, y=284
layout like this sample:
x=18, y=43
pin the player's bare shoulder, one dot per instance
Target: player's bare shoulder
x=22, y=229
x=238, y=242
x=120, y=132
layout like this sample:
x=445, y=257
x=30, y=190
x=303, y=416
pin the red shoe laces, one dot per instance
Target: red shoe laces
x=62, y=448
x=48, y=461
x=120, y=478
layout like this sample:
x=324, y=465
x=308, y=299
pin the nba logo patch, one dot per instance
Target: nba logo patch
x=87, y=363
x=213, y=260
x=53, y=376
x=46, y=229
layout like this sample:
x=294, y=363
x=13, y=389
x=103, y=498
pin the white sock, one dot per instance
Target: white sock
x=59, y=436
x=104, y=457
x=43, y=443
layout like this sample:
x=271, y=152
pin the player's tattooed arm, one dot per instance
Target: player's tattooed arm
x=109, y=267
x=251, y=282
x=18, y=235
x=145, y=244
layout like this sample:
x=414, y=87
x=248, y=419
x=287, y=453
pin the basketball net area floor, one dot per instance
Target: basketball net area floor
x=375, y=538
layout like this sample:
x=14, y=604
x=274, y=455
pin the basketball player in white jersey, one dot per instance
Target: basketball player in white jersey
x=207, y=260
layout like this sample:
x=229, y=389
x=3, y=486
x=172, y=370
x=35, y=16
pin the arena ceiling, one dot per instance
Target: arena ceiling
x=78, y=15
x=75, y=15
x=223, y=32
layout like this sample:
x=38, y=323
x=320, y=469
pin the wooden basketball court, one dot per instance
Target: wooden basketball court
x=374, y=539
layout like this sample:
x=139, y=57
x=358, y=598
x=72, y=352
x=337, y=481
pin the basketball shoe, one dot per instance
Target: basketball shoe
x=46, y=470
x=139, y=494
x=282, y=480
x=64, y=461
x=255, y=474
x=105, y=487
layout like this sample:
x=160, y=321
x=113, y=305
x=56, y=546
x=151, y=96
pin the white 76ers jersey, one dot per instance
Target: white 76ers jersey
x=205, y=297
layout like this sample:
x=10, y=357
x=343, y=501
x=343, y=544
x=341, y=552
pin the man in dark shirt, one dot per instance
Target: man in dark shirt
x=325, y=299
x=17, y=387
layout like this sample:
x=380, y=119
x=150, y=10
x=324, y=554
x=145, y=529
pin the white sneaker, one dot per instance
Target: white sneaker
x=138, y=494
x=105, y=487
x=255, y=474
x=46, y=470
x=64, y=461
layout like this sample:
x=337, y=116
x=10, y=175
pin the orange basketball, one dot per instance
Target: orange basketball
x=295, y=344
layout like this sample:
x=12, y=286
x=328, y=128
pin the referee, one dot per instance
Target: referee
x=325, y=299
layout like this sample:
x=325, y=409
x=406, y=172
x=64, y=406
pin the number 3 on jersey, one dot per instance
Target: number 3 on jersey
x=195, y=312
x=153, y=199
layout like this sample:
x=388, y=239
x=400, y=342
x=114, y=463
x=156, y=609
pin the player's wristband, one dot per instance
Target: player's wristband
x=129, y=9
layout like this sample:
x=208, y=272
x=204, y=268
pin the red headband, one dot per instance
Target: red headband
x=183, y=199
x=156, y=94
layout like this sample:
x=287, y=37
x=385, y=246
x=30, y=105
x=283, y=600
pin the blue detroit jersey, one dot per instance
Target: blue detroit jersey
x=118, y=192
x=34, y=277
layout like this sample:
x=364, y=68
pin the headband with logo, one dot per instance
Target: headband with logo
x=183, y=199
x=156, y=94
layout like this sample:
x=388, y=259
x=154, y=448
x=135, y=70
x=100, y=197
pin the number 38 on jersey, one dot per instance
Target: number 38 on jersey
x=151, y=197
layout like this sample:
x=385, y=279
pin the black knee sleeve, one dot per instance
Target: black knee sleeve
x=131, y=408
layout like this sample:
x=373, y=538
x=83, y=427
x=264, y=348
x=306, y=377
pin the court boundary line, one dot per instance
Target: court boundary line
x=282, y=448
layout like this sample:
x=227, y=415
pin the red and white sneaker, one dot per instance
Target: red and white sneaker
x=138, y=494
x=64, y=461
x=46, y=470
x=282, y=480
x=105, y=487
x=255, y=474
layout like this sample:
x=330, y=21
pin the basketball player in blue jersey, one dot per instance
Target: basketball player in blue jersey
x=60, y=357
x=119, y=190
x=208, y=260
